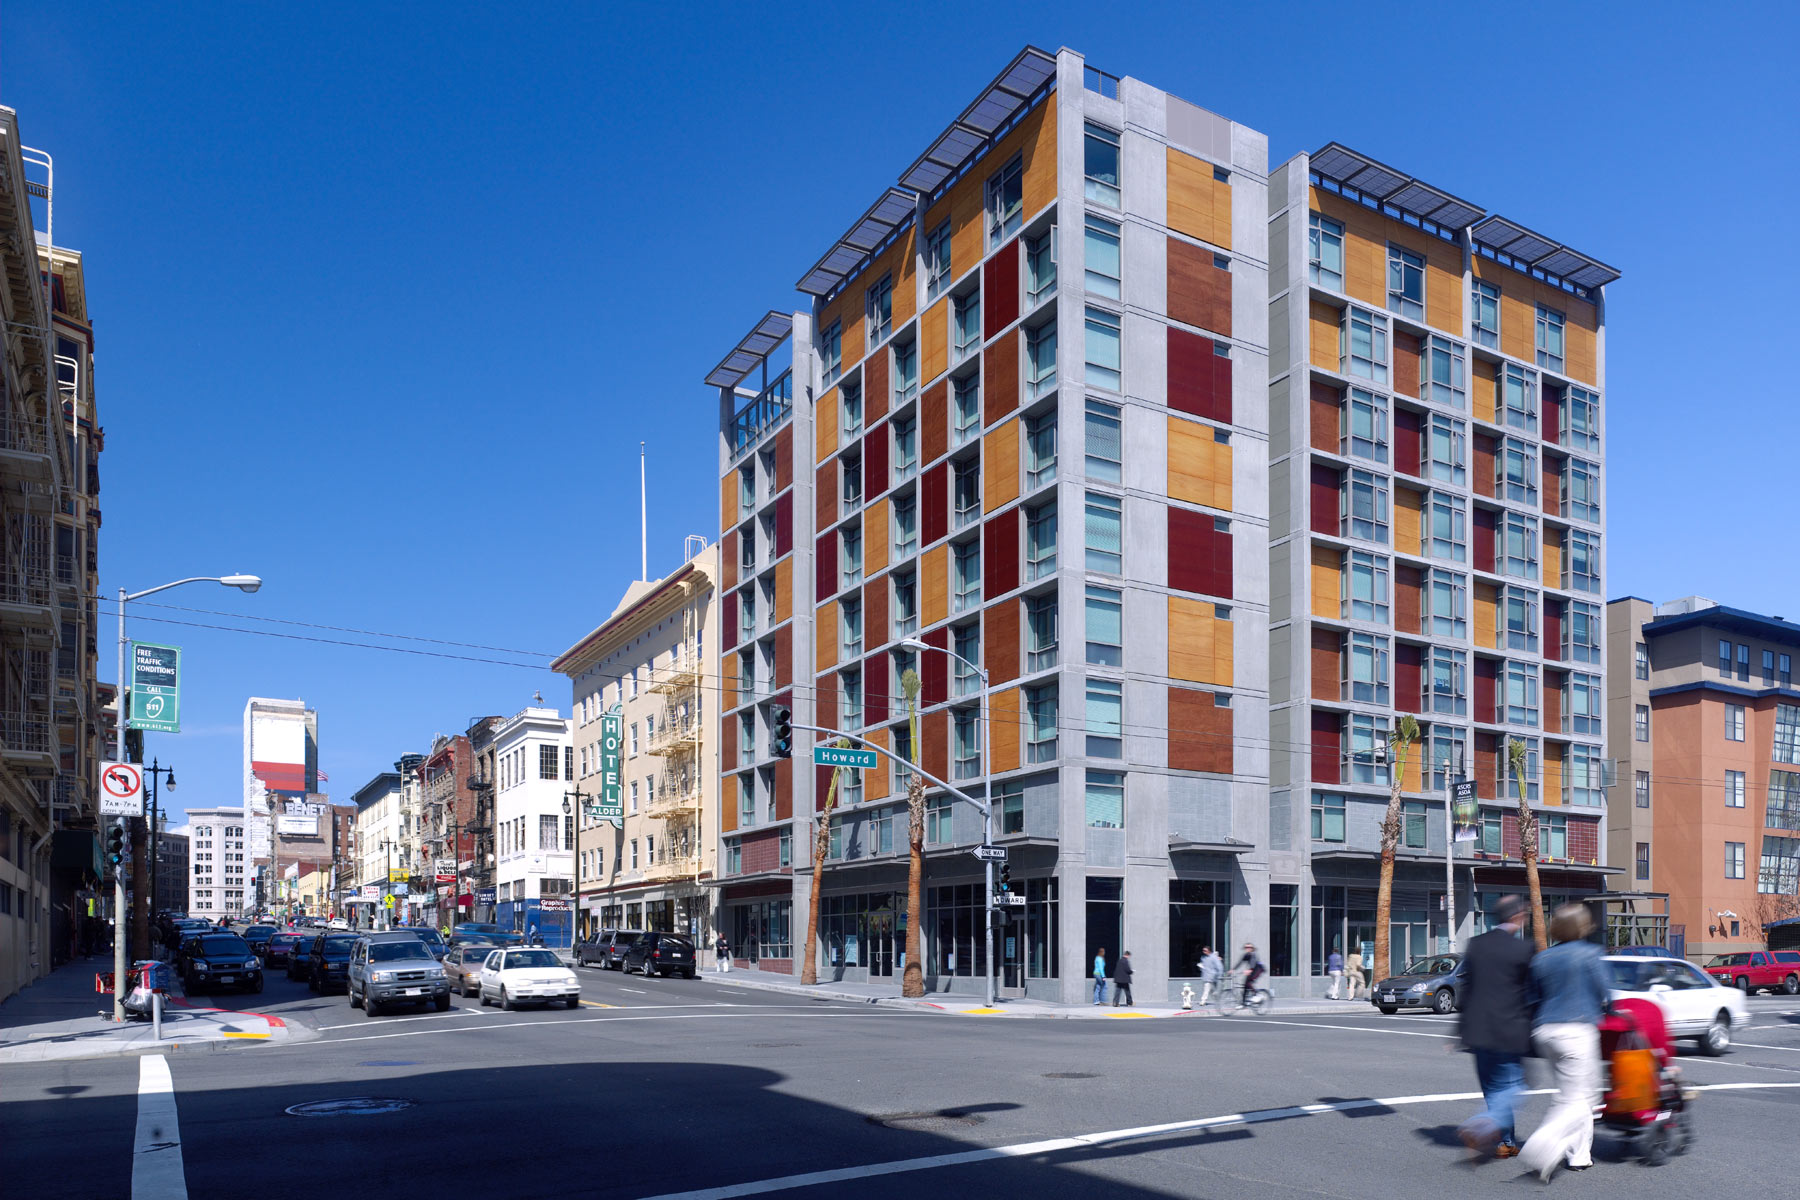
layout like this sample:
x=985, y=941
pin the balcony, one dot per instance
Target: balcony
x=672, y=867
x=27, y=741
x=677, y=677
x=24, y=446
x=676, y=736
x=27, y=590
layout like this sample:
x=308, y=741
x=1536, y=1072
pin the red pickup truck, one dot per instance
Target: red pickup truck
x=1778, y=970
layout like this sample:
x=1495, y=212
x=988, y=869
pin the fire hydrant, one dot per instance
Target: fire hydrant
x=1187, y=995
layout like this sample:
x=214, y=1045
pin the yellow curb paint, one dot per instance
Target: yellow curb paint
x=981, y=1012
x=597, y=1004
x=1128, y=1016
x=247, y=1035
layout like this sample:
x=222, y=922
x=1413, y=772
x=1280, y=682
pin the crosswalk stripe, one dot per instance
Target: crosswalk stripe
x=157, y=1170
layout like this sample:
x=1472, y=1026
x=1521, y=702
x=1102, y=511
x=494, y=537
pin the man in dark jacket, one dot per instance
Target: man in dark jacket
x=1496, y=1026
x=1122, y=981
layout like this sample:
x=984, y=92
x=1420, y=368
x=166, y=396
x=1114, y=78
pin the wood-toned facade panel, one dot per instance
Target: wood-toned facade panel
x=1000, y=466
x=1199, y=465
x=825, y=424
x=1327, y=581
x=1007, y=709
x=1323, y=340
x=784, y=590
x=1367, y=236
x=1000, y=379
x=825, y=636
x=1199, y=290
x=934, y=341
x=1200, y=649
x=1200, y=733
x=876, y=524
x=934, y=584
x=1199, y=204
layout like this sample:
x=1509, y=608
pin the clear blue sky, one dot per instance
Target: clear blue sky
x=386, y=296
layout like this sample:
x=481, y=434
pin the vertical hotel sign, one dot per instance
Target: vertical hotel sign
x=156, y=687
x=612, y=739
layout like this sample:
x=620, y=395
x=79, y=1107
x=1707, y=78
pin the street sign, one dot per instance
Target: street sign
x=833, y=756
x=990, y=853
x=446, y=878
x=446, y=866
x=397, y=876
x=553, y=905
x=121, y=790
x=387, y=902
x=484, y=895
x=612, y=738
x=371, y=891
x=1009, y=900
x=156, y=687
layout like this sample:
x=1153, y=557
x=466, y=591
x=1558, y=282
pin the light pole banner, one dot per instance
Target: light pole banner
x=1465, y=810
x=156, y=687
x=612, y=737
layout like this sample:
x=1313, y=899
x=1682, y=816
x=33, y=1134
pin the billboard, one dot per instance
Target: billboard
x=278, y=752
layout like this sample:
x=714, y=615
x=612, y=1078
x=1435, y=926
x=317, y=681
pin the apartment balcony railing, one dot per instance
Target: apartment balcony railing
x=25, y=588
x=677, y=677
x=26, y=737
x=676, y=800
x=673, y=867
x=24, y=445
x=676, y=735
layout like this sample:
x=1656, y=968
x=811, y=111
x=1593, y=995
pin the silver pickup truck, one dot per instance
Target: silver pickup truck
x=395, y=968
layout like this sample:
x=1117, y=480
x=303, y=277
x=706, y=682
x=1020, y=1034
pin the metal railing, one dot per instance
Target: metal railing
x=21, y=433
x=25, y=586
x=20, y=734
x=674, y=734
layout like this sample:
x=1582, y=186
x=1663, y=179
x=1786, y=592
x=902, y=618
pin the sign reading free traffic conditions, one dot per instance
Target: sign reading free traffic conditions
x=833, y=756
x=121, y=790
x=156, y=687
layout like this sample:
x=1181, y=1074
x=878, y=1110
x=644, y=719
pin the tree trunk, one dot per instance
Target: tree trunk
x=1402, y=740
x=1528, y=846
x=809, y=965
x=912, y=977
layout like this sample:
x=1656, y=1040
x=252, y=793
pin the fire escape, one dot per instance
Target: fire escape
x=677, y=742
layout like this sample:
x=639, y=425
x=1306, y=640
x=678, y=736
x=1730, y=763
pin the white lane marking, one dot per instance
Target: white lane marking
x=1352, y=1028
x=635, y=991
x=1107, y=1137
x=707, y=1016
x=1764, y=1046
x=455, y=1012
x=157, y=1171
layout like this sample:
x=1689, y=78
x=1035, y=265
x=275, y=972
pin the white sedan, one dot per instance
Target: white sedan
x=513, y=977
x=1694, y=1004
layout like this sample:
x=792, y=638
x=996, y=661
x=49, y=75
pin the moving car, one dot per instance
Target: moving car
x=1433, y=981
x=463, y=966
x=434, y=941
x=612, y=944
x=484, y=931
x=257, y=935
x=394, y=968
x=216, y=961
x=514, y=975
x=659, y=953
x=279, y=950
x=328, y=961
x=1747, y=971
x=1694, y=1004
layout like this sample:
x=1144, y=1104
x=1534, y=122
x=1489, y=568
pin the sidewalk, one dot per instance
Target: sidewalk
x=59, y=1017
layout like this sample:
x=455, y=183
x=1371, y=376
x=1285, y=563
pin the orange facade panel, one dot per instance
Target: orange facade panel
x=728, y=806
x=1000, y=466
x=825, y=425
x=1199, y=204
x=1367, y=236
x=825, y=637
x=1483, y=391
x=1006, y=709
x=934, y=341
x=1520, y=296
x=1200, y=644
x=934, y=594
x=1327, y=581
x=1199, y=465
x=875, y=539
x=1323, y=336
x=728, y=500
x=784, y=589
x=1552, y=555
x=1408, y=507
x=1487, y=615
x=875, y=780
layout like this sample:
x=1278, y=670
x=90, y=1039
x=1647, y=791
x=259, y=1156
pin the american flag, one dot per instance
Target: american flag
x=324, y=778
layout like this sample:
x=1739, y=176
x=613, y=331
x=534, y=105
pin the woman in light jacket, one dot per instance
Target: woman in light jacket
x=1572, y=988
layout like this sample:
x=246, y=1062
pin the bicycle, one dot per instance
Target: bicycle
x=1235, y=998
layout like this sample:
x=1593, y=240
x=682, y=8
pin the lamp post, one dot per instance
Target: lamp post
x=387, y=882
x=245, y=583
x=987, y=800
x=580, y=798
x=152, y=773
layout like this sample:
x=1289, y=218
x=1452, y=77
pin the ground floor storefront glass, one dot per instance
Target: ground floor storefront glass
x=864, y=931
x=1028, y=942
x=1199, y=917
x=761, y=929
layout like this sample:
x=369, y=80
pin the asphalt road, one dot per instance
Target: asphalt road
x=659, y=1087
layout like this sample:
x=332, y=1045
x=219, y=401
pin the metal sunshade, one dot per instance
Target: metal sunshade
x=887, y=214
x=1541, y=254
x=1384, y=184
x=749, y=354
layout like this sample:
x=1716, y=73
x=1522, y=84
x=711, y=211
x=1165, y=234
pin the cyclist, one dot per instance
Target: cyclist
x=1252, y=967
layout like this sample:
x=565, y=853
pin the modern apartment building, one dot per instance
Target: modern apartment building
x=1706, y=730
x=653, y=667
x=1022, y=424
x=1437, y=439
x=218, y=844
x=534, y=823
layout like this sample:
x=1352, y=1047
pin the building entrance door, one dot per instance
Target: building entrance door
x=881, y=942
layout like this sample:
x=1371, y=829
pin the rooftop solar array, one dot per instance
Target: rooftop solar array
x=749, y=354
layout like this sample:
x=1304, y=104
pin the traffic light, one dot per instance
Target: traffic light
x=115, y=843
x=134, y=745
x=1006, y=877
x=782, y=741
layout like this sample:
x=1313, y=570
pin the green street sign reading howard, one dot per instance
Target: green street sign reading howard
x=156, y=687
x=832, y=756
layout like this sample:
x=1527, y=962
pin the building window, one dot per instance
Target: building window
x=1101, y=257
x=852, y=411
x=1734, y=854
x=1041, y=714
x=1363, y=344
x=1447, y=527
x=1641, y=789
x=938, y=821
x=1365, y=588
x=1549, y=338
x=1365, y=748
x=1787, y=732
x=1446, y=603
x=1768, y=673
x=906, y=371
x=1406, y=283
x=1441, y=372
x=1412, y=824
x=967, y=574
x=1009, y=802
x=1521, y=696
x=966, y=491
x=1105, y=447
x=1519, y=398
x=1105, y=627
x=1363, y=426
x=1641, y=869
x=906, y=526
x=1446, y=450
x=1040, y=632
x=1640, y=723
x=1040, y=449
x=966, y=323
x=850, y=543
x=1040, y=541
x=1581, y=490
x=1040, y=360
x=1553, y=836
x=1100, y=164
x=1364, y=506
x=966, y=642
x=1582, y=713
x=548, y=759
x=1518, y=618
x=1584, y=627
x=831, y=351
x=906, y=447
x=1484, y=314
x=850, y=622
x=1493, y=831
x=1778, y=873
x=1519, y=546
x=1365, y=668
x=1581, y=419
x=878, y=310
x=1105, y=800
x=906, y=602
x=850, y=499
x=1103, y=349
x=937, y=261
x=1584, y=561
x=967, y=408
x=1104, y=533
x=1449, y=681
x=1734, y=723
x=1784, y=670
x=1040, y=267
x=1005, y=203
x=1734, y=788
x=1743, y=662
x=966, y=731
x=1516, y=469
x=1327, y=817
x=1105, y=718
x=1724, y=658
x=1325, y=252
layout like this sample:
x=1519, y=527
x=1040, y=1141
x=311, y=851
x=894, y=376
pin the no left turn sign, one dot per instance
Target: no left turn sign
x=121, y=790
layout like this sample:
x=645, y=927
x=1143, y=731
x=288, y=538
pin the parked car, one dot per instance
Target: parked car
x=258, y=935
x=216, y=961
x=613, y=943
x=589, y=951
x=484, y=931
x=463, y=966
x=515, y=975
x=328, y=961
x=1433, y=981
x=1747, y=971
x=394, y=968
x=1694, y=1003
x=337, y=923
x=279, y=950
x=659, y=953
x=434, y=941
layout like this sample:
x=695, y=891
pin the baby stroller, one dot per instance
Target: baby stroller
x=1645, y=1101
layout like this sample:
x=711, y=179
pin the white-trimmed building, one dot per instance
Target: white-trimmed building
x=534, y=838
x=218, y=867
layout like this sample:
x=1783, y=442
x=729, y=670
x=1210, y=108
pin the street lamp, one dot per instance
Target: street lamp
x=987, y=798
x=152, y=773
x=246, y=583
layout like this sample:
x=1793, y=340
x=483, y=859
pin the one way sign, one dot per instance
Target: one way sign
x=121, y=790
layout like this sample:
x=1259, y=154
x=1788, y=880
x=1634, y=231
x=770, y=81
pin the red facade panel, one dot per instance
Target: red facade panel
x=934, y=504
x=1000, y=290
x=1000, y=378
x=1553, y=628
x=1484, y=521
x=1199, y=553
x=1406, y=362
x=728, y=618
x=934, y=422
x=875, y=463
x=784, y=457
x=825, y=567
x=877, y=687
x=1584, y=839
x=1199, y=379
x=1200, y=733
x=1325, y=747
x=784, y=779
x=1487, y=687
x=762, y=851
x=784, y=524
x=1408, y=438
x=1408, y=671
x=875, y=611
x=1551, y=403
x=1000, y=553
x=1000, y=633
x=934, y=731
x=875, y=386
x=1324, y=495
x=934, y=669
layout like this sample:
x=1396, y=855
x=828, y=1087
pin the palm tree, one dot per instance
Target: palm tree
x=912, y=979
x=809, y=967
x=1406, y=732
x=1528, y=844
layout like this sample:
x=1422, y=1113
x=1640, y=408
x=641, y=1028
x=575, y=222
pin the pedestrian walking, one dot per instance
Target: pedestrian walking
x=1122, y=981
x=1334, y=967
x=1100, y=975
x=1354, y=973
x=1212, y=972
x=1495, y=1026
x=722, y=949
x=1572, y=989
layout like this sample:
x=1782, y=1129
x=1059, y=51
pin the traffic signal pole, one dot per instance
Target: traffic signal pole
x=115, y=847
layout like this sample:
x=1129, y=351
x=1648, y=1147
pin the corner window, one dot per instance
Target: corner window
x=1363, y=344
x=1365, y=668
x=1521, y=694
x=1105, y=627
x=1484, y=314
x=937, y=261
x=1040, y=541
x=1040, y=632
x=1100, y=164
x=1549, y=338
x=878, y=310
x=1009, y=801
x=1582, y=711
x=1325, y=252
x=1040, y=449
x=1581, y=490
x=1448, y=681
x=1105, y=718
x=1363, y=426
x=1101, y=257
x=906, y=371
x=1104, y=355
x=1441, y=372
x=1583, y=561
x=1365, y=748
x=1519, y=546
x=1581, y=419
x=1365, y=588
x=966, y=488
x=850, y=541
x=1582, y=632
x=938, y=830
x=966, y=323
x=1104, y=533
x=1363, y=511
x=1105, y=442
x=1105, y=800
x=1041, y=717
x=850, y=621
x=966, y=407
x=906, y=446
x=1406, y=283
x=852, y=415
x=906, y=526
x=1787, y=732
x=1040, y=268
x=966, y=735
x=966, y=572
x=1005, y=203
x=1040, y=360
x=831, y=351
x=906, y=602
x=1446, y=450
x=1519, y=398
x=1516, y=468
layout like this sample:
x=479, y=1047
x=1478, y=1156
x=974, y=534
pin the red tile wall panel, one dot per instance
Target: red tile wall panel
x=1553, y=628
x=1000, y=632
x=877, y=689
x=825, y=494
x=1199, y=554
x=784, y=781
x=875, y=612
x=875, y=464
x=934, y=669
x=784, y=457
x=1487, y=681
x=1000, y=378
x=825, y=567
x=875, y=386
x=934, y=422
x=1327, y=416
x=762, y=851
x=1408, y=670
x=934, y=504
x=728, y=618
x=784, y=655
x=728, y=744
x=1199, y=379
x=1000, y=553
x=1325, y=485
x=934, y=731
x=1408, y=435
x=1551, y=416
x=1000, y=290
x=1325, y=747
x=784, y=524
x=1550, y=484
x=1584, y=839
x=728, y=557
x=1484, y=521
x=1406, y=363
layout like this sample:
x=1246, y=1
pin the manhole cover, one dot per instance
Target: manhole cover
x=389, y=1062
x=355, y=1106
x=945, y=1119
x=1069, y=1075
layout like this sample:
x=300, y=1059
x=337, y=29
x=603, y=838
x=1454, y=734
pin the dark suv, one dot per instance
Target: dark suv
x=215, y=961
x=328, y=961
x=659, y=953
x=609, y=948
